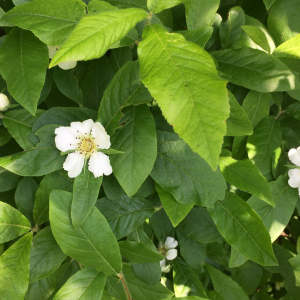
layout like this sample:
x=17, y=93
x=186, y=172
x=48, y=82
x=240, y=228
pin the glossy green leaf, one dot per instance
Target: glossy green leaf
x=225, y=286
x=125, y=214
x=193, y=181
x=86, y=244
x=231, y=30
x=138, y=253
x=51, y=21
x=106, y=28
x=14, y=269
x=25, y=77
x=256, y=70
x=86, y=284
x=289, y=48
x=85, y=194
x=12, y=223
x=159, y=5
x=276, y=218
x=266, y=138
x=8, y=180
x=45, y=255
x=182, y=77
x=254, y=241
x=247, y=177
x=199, y=36
x=236, y=259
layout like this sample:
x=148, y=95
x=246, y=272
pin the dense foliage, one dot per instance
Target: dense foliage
x=199, y=106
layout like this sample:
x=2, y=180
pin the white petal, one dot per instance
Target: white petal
x=294, y=156
x=170, y=243
x=99, y=164
x=294, y=180
x=52, y=50
x=171, y=254
x=74, y=164
x=65, y=139
x=77, y=127
x=4, y=102
x=87, y=126
x=67, y=65
x=163, y=264
x=102, y=139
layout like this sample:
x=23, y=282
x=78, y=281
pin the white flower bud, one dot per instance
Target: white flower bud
x=4, y=102
x=67, y=65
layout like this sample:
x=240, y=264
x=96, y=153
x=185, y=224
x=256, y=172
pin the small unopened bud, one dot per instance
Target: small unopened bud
x=67, y=65
x=4, y=102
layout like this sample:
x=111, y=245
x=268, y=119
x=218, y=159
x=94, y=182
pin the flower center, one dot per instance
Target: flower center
x=87, y=145
x=163, y=251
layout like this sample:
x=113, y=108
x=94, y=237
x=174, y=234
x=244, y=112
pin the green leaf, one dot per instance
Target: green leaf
x=45, y=255
x=225, y=286
x=268, y=3
x=289, y=49
x=247, y=177
x=277, y=218
x=119, y=57
x=182, y=77
x=85, y=194
x=231, y=30
x=53, y=181
x=138, y=253
x=193, y=181
x=106, y=28
x=283, y=20
x=26, y=76
x=4, y=136
x=14, y=269
x=161, y=225
x=125, y=89
x=85, y=284
x=175, y=211
x=200, y=13
x=125, y=214
x=266, y=138
x=8, y=181
x=51, y=21
x=138, y=140
x=95, y=7
x=12, y=223
x=186, y=282
x=86, y=243
x=236, y=259
x=24, y=197
x=19, y=125
x=241, y=221
x=238, y=123
x=129, y=3
x=149, y=273
x=256, y=70
x=158, y=5
x=199, y=36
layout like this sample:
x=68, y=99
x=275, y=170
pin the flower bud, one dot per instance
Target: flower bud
x=4, y=102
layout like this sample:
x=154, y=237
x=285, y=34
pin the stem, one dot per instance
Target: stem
x=128, y=296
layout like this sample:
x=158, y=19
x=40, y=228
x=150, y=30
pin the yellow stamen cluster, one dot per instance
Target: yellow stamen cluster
x=87, y=145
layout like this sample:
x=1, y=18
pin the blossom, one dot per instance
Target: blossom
x=168, y=250
x=4, y=102
x=294, y=156
x=294, y=174
x=66, y=65
x=85, y=139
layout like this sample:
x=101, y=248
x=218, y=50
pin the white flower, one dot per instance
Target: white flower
x=4, y=102
x=294, y=156
x=168, y=250
x=85, y=139
x=294, y=180
x=66, y=65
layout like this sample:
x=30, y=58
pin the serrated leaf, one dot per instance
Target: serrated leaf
x=85, y=194
x=138, y=140
x=193, y=181
x=51, y=21
x=14, y=269
x=105, y=29
x=276, y=218
x=26, y=76
x=256, y=70
x=158, y=5
x=254, y=241
x=87, y=284
x=125, y=214
x=45, y=255
x=86, y=243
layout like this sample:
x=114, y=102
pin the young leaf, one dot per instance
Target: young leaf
x=199, y=36
x=241, y=221
x=85, y=194
x=12, y=223
x=51, y=21
x=105, y=29
x=193, y=181
x=158, y=5
x=125, y=214
x=86, y=244
x=26, y=76
x=14, y=269
x=289, y=48
x=182, y=77
x=85, y=284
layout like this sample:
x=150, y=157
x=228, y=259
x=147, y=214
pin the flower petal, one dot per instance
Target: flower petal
x=170, y=243
x=294, y=156
x=67, y=65
x=74, y=164
x=102, y=139
x=52, y=50
x=171, y=254
x=294, y=180
x=99, y=164
x=163, y=264
x=65, y=139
